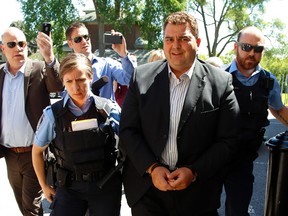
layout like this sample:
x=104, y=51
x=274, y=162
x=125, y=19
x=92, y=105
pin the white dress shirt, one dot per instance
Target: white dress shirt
x=178, y=91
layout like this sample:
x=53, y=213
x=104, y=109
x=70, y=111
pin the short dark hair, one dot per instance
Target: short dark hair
x=71, y=28
x=180, y=18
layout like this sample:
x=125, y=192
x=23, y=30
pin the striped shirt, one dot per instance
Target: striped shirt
x=178, y=91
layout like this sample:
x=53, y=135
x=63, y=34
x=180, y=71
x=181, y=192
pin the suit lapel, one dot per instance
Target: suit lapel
x=163, y=89
x=27, y=73
x=2, y=76
x=194, y=91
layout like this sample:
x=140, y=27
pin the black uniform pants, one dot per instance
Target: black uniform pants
x=239, y=189
x=76, y=199
x=239, y=181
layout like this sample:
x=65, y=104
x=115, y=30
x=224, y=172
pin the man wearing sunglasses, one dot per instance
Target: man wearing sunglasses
x=257, y=90
x=24, y=90
x=78, y=39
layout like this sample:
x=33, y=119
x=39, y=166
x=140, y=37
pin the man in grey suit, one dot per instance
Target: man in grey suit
x=24, y=89
x=177, y=129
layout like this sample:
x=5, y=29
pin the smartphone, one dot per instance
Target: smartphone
x=112, y=39
x=46, y=28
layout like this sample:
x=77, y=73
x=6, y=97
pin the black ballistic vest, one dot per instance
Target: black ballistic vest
x=86, y=151
x=253, y=102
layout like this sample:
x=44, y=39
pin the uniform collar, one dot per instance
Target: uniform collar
x=233, y=68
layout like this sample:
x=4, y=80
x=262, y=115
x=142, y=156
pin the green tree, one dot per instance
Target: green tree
x=153, y=16
x=105, y=10
x=276, y=61
x=275, y=57
x=18, y=24
x=121, y=14
x=116, y=12
x=222, y=20
x=59, y=12
x=148, y=15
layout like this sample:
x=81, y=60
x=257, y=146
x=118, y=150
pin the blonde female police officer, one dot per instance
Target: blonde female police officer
x=84, y=157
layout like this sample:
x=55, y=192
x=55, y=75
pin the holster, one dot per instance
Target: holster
x=50, y=167
x=51, y=170
x=2, y=148
x=62, y=177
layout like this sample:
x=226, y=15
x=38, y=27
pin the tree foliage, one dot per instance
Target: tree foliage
x=148, y=15
x=18, y=24
x=128, y=12
x=276, y=61
x=153, y=16
x=116, y=12
x=59, y=12
x=222, y=20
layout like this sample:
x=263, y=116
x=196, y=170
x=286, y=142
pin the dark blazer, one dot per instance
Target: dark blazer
x=206, y=133
x=39, y=81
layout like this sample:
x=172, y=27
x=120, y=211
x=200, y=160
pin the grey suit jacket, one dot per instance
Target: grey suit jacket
x=39, y=81
x=206, y=137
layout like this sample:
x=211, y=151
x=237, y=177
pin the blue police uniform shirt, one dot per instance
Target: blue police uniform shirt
x=45, y=132
x=114, y=70
x=274, y=100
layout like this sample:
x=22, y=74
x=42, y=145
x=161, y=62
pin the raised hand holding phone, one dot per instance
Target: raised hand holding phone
x=46, y=28
x=45, y=43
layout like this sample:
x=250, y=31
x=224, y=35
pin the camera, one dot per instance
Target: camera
x=112, y=39
x=46, y=28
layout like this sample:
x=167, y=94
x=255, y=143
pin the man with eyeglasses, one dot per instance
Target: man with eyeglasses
x=24, y=89
x=257, y=90
x=78, y=39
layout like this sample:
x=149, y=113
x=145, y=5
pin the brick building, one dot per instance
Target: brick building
x=89, y=19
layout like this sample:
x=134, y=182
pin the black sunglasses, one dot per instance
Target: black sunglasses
x=12, y=44
x=78, y=39
x=248, y=47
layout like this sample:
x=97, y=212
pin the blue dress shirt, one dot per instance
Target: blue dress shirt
x=16, y=128
x=114, y=70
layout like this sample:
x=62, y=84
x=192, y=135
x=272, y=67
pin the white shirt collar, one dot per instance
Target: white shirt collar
x=189, y=73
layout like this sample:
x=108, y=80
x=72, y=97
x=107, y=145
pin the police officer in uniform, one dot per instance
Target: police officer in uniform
x=81, y=128
x=257, y=90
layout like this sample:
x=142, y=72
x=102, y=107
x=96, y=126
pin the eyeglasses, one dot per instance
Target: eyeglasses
x=248, y=47
x=79, y=38
x=12, y=44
